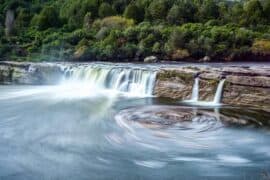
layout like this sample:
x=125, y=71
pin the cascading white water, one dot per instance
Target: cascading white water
x=134, y=81
x=218, y=94
x=195, y=94
x=195, y=90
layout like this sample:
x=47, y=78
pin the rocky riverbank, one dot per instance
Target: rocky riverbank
x=244, y=85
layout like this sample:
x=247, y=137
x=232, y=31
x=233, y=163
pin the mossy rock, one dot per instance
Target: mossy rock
x=167, y=74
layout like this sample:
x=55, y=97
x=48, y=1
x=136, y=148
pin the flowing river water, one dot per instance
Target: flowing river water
x=101, y=123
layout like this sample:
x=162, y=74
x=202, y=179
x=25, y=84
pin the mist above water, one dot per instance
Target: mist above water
x=102, y=122
x=136, y=82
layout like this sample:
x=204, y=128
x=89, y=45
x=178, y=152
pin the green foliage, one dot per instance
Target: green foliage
x=47, y=18
x=23, y=18
x=261, y=46
x=181, y=13
x=88, y=20
x=266, y=10
x=209, y=10
x=121, y=29
x=113, y=22
x=132, y=11
x=74, y=12
x=105, y=9
x=158, y=9
x=253, y=11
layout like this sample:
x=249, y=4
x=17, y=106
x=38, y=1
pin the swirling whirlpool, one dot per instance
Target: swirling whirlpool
x=70, y=132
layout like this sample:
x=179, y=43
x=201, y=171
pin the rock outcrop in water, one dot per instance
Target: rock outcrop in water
x=243, y=86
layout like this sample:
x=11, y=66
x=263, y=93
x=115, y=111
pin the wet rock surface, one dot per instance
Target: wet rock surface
x=188, y=118
x=247, y=84
x=244, y=85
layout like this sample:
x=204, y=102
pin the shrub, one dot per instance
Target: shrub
x=128, y=50
x=148, y=42
x=180, y=54
x=261, y=46
x=113, y=22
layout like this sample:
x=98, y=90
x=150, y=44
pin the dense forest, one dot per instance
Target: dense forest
x=129, y=30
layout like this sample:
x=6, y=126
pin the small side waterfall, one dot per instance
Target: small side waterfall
x=134, y=81
x=195, y=90
x=218, y=94
x=195, y=94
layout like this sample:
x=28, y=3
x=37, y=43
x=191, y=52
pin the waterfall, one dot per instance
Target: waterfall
x=195, y=90
x=195, y=94
x=218, y=94
x=125, y=79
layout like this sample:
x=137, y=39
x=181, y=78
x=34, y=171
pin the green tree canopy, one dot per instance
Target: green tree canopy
x=105, y=9
x=132, y=11
x=253, y=11
x=47, y=18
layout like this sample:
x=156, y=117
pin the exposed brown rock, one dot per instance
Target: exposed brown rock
x=243, y=85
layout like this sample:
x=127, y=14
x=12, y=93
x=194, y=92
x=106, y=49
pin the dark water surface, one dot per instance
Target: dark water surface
x=61, y=132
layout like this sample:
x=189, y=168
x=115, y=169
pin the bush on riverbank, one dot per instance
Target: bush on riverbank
x=130, y=30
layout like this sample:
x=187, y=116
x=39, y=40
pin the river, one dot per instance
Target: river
x=92, y=127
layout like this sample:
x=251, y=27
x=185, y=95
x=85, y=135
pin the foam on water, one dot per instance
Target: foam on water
x=134, y=82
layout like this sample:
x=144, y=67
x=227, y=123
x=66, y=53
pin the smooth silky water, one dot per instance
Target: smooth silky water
x=96, y=124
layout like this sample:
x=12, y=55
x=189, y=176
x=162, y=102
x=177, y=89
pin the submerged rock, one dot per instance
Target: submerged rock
x=186, y=118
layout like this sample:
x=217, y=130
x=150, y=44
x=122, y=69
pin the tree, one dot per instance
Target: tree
x=23, y=18
x=105, y=10
x=158, y=9
x=237, y=12
x=224, y=11
x=74, y=11
x=132, y=11
x=267, y=11
x=209, y=10
x=120, y=5
x=181, y=13
x=254, y=12
x=47, y=18
x=174, y=15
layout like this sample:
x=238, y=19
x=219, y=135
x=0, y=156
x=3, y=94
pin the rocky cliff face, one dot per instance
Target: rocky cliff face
x=243, y=85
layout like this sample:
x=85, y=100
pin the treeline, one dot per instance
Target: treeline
x=117, y=30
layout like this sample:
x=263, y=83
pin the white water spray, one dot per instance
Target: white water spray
x=195, y=90
x=138, y=82
x=218, y=94
x=195, y=94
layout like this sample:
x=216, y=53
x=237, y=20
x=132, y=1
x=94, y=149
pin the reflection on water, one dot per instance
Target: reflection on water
x=79, y=132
